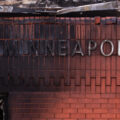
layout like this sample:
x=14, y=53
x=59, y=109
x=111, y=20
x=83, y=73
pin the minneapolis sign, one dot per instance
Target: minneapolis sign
x=55, y=47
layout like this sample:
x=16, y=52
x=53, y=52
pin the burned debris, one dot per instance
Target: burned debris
x=57, y=7
x=3, y=106
x=1, y=109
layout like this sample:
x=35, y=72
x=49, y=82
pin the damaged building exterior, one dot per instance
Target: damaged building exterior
x=59, y=60
x=56, y=7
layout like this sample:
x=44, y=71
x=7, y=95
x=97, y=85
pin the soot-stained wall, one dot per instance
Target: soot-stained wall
x=46, y=87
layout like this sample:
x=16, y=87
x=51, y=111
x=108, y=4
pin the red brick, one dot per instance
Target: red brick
x=69, y=110
x=77, y=105
x=118, y=116
x=70, y=119
x=108, y=96
x=108, y=105
x=83, y=85
x=92, y=105
x=52, y=119
x=97, y=89
x=49, y=110
x=87, y=74
x=103, y=85
x=108, y=89
x=77, y=95
x=85, y=100
x=117, y=105
x=88, y=88
x=93, y=86
x=70, y=100
x=62, y=95
x=77, y=115
x=113, y=85
x=118, y=95
x=93, y=96
x=118, y=89
x=99, y=110
x=46, y=115
x=93, y=115
x=116, y=119
x=111, y=116
x=39, y=119
x=114, y=100
x=108, y=77
x=102, y=119
x=83, y=110
x=47, y=100
x=115, y=110
x=38, y=115
x=77, y=80
x=62, y=115
x=113, y=70
x=99, y=100
x=62, y=105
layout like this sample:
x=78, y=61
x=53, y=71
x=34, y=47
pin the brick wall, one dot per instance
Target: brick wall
x=63, y=106
x=61, y=88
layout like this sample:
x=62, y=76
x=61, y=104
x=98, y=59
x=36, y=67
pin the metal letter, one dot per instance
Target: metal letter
x=90, y=47
x=77, y=49
x=36, y=46
x=41, y=47
x=118, y=47
x=11, y=48
x=31, y=49
x=49, y=46
x=20, y=43
x=15, y=48
x=25, y=47
x=112, y=48
x=62, y=48
x=1, y=47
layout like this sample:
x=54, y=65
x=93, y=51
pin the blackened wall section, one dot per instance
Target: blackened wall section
x=31, y=72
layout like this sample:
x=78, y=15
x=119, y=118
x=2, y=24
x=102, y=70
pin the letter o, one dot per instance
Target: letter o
x=112, y=48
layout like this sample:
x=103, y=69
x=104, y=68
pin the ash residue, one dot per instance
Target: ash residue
x=66, y=3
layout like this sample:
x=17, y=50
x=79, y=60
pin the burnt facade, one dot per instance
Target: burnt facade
x=43, y=86
x=27, y=50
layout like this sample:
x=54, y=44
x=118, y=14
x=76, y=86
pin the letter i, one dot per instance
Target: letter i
x=118, y=47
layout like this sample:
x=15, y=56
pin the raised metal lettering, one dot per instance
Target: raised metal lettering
x=49, y=47
x=20, y=43
x=31, y=48
x=118, y=47
x=102, y=45
x=1, y=47
x=62, y=47
x=25, y=47
x=91, y=46
x=77, y=49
